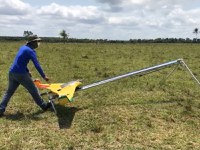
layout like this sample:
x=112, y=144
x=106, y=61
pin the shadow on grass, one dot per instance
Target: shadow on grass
x=20, y=116
x=65, y=116
x=15, y=117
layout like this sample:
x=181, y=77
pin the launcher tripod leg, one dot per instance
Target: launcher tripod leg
x=190, y=72
x=167, y=76
x=51, y=100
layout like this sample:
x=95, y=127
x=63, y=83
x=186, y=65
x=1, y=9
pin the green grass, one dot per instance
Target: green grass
x=132, y=113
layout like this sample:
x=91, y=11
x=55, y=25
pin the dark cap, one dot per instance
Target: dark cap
x=32, y=38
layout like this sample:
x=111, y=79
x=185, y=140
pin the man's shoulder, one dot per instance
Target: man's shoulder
x=26, y=48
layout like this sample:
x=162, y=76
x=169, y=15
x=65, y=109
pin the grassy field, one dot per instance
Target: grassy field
x=134, y=113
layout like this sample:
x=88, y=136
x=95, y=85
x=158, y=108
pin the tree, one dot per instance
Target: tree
x=27, y=33
x=196, y=31
x=64, y=35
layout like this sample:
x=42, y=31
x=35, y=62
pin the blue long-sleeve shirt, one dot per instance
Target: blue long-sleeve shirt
x=24, y=55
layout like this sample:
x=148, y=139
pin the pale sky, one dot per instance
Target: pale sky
x=101, y=19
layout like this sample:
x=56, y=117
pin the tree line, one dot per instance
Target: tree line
x=64, y=37
x=75, y=40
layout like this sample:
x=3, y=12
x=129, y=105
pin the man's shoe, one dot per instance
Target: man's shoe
x=1, y=114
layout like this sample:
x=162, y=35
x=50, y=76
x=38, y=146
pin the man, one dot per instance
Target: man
x=20, y=75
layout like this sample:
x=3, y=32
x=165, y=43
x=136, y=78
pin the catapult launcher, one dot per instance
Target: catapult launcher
x=64, y=92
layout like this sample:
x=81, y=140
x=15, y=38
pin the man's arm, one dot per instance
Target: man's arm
x=37, y=65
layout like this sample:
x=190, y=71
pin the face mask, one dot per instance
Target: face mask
x=38, y=43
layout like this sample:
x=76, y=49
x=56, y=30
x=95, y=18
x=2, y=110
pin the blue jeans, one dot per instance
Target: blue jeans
x=15, y=79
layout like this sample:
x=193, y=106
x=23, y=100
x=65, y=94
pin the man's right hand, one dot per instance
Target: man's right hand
x=46, y=78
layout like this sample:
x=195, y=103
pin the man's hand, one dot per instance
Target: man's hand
x=30, y=74
x=46, y=78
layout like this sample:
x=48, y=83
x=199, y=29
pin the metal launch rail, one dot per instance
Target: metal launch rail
x=141, y=73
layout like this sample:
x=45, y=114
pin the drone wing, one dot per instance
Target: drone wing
x=67, y=91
